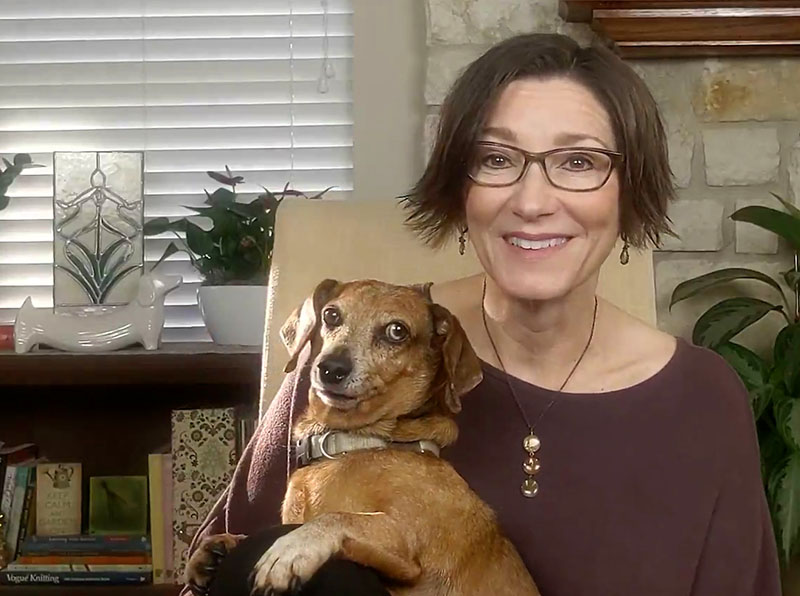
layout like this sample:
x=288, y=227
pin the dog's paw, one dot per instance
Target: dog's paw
x=291, y=561
x=203, y=564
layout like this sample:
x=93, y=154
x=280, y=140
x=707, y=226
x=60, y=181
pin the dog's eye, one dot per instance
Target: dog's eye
x=396, y=332
x=332, y=317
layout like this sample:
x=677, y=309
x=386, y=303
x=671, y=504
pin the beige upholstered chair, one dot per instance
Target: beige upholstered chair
x=366, y=239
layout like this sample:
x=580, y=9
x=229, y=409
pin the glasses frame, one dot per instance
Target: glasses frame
x=616, y=159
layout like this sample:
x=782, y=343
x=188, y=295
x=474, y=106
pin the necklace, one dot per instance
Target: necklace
x=531, y=443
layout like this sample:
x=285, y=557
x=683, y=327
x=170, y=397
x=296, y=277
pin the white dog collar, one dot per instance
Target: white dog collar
x=333, y=444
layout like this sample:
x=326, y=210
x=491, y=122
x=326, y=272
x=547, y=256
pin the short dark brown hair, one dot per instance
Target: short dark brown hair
x=435, y=206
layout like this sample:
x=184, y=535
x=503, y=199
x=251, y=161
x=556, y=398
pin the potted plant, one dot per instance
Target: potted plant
x=233, y=256
x=773, y=382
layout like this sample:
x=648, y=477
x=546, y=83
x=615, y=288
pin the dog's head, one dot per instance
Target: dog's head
x=153, y=286
x=381, y=351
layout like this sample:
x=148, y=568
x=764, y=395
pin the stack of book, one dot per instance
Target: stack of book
x=80, y=560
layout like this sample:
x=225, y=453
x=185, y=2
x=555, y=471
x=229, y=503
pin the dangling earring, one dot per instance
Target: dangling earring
x=624, y=256
x=462, y=241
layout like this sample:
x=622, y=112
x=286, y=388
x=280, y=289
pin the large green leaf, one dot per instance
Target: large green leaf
x=791, y=209
x=4, y=201
x=786, y=358
x=221, y=197
x=702, y=283
x=787, y=420
x=726, y=319
x=751, y=368
x=198, y=240
x=787, y=505
x=775, y=221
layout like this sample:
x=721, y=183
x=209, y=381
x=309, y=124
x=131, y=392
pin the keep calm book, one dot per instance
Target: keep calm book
x=58, y=499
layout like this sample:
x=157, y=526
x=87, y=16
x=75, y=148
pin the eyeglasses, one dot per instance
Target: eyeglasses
x=579, y=169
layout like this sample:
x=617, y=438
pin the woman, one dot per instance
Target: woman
x=619, y=460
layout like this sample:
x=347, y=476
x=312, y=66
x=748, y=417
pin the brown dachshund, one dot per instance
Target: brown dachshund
x=388, y=369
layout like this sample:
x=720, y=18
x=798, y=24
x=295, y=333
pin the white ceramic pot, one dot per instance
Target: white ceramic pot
x=234, y=315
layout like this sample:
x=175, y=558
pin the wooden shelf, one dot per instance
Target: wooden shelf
x=151, y=590
x=686, y=28
x=174, y=364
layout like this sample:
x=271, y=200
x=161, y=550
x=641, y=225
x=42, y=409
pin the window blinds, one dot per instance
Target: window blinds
x=262, y=86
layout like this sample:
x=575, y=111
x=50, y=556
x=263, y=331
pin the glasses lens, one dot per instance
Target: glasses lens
x=578, y=169
x=496, y=165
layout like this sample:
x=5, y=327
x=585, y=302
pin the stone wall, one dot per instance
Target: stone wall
x=733, y=129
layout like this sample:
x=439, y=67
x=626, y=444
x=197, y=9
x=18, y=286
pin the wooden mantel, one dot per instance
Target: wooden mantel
x=685, y=28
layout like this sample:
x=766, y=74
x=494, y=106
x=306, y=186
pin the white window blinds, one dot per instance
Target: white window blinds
x=262, y=86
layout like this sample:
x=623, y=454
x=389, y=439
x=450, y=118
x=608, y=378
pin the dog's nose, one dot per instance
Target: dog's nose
x=334, y=369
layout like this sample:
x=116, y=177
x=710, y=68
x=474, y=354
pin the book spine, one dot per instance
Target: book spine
x=166, y=480
x=26, y=522
x=155, y=476
x=9, y=484
x=84, y=560
x=15, y=521
x=86, y=578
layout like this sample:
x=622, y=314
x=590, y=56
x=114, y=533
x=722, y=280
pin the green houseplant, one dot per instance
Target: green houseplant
x=22, y=161
x=233, y=255
x=772, y=382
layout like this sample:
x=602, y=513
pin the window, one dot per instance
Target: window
x=262, y=86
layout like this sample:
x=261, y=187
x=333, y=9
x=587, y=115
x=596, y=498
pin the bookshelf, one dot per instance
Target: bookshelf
x=110, y=410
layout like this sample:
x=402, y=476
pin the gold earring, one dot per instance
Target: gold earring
x=462, y=241
x=624, y=256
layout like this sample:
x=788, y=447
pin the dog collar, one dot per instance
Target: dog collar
x=334, y=444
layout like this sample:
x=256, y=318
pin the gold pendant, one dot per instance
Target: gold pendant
x=531, y=466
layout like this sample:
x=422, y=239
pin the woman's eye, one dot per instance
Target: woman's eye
x=396, y=332
x=496, y=161
x=331, y=317
x=577, y=162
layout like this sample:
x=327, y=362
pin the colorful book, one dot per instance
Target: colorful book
x=58, y=499
x=203, y=460
x=142, y=559
x=86, y=575
x=84, y=544
x=17, y=506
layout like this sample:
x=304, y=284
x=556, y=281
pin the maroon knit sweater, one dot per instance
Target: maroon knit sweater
x=647, y=491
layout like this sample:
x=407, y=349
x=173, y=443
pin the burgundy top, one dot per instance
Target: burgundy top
x=651, y=490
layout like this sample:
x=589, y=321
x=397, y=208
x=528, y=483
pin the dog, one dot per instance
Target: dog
x=109, y=328
x=388, y=369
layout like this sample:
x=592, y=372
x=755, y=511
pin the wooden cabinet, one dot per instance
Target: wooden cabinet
x=684, y=28
x=109, y=410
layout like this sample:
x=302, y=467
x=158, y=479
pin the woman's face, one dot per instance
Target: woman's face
x=539, y=242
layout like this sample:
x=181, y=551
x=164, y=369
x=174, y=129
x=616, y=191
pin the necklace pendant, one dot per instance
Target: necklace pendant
x=532, y=466
x=531, y=443
x=530, y=488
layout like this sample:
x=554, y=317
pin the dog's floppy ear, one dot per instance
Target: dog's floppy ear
x=461, y=369
x=303, y=323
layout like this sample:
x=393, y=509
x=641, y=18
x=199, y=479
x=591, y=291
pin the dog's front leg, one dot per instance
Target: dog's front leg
x=371, y=539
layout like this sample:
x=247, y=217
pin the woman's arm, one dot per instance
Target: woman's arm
x=252, y=500
x=739, y=557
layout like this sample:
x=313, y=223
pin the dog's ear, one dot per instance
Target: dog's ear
x=146, y=295
x=461, y=369
x=303, y=323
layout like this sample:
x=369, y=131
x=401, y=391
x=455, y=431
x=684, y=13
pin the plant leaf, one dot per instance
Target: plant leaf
x=787, y=505
x=727, y=318
x=787, y=420
x=171, y=249
x=4, y=200
x=791, y=209
x=785, y=352
x=22, y=160
x=775, y=221
x=221, y=197
x=156, y=226
x=702, y=283
x=751, y=368
x=227, y=180
x=198, y=240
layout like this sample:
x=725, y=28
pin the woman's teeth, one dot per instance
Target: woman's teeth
x=535, y=244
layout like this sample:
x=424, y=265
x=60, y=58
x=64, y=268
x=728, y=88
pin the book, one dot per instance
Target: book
x=27, y=523
x=203, y=460
x=167, y=508
x=85, y=544
x=118, y=505
x=17, y=506
x=58, y=499
x=155, y=469
x=18, y=574
x=78, y=559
